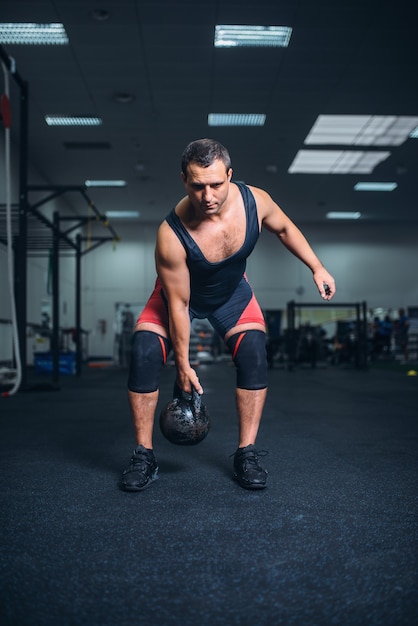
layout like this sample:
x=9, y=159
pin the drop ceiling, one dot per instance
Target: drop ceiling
x=356, y=57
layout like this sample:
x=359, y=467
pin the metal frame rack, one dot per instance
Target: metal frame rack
x=361, y=351
x=36, y=235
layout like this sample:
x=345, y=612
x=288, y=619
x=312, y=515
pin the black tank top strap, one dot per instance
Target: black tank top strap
x=186, y=239
x=251, y=214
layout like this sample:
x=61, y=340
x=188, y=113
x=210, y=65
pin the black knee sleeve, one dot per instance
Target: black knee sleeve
x=249, y=354
x=149, y=353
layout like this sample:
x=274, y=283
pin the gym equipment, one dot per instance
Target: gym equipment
x=360, y=348
x=45, y=237
x=6, y=117
x=185, y=419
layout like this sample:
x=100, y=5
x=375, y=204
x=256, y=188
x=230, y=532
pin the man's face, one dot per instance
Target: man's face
x=207, y=187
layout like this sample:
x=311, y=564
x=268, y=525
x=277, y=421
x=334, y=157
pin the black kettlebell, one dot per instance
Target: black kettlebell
x=185, y=419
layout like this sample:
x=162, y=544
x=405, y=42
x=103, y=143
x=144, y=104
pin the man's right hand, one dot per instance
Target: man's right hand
x=187, y=379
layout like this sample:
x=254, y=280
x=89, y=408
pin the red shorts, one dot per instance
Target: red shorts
x=241, y=308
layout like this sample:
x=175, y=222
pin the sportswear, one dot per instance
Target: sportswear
x=248, y=472
x=141, y=471
x=212, y=284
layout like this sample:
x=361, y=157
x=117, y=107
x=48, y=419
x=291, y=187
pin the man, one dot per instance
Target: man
x=201, y=253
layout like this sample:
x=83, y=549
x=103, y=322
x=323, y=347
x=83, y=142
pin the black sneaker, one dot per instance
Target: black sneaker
x=142, y=470
x=248, y=472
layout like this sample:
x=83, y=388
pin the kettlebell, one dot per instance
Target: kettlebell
x=185, y=419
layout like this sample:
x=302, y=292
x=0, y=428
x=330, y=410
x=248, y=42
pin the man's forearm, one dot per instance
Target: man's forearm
x=180, y=338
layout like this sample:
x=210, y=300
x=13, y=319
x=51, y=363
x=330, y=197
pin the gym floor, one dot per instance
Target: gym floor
x=332, y=540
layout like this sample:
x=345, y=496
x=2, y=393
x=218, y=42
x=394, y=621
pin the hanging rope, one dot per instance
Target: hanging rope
x=6, y=116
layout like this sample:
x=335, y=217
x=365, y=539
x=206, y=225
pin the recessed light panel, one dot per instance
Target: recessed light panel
x=105, y=183
x=375, y=186
x=236, y=119
x=361, y=130
x=33, y=34
x=336, y=161
x=122, y=214
x=231, y=36
x=414, y=133
x=343, y=215
x=72, y=120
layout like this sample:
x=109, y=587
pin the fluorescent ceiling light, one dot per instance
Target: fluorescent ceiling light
x=414, y=133
x=361, y=130
x=122, y=214
x=236, y=119
x=231, y=36
x=375, y=186
x=343, y=215
x=105, y=183
x=336, y=161
x=33, y=34
x=72, y=120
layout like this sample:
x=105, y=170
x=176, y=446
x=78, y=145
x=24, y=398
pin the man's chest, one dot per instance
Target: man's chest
x=218, y=241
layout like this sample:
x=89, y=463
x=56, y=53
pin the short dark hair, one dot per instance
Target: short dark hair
x=204, y=152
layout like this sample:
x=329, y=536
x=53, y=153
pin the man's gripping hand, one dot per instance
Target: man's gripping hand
x=325, y=283
x=188, y=379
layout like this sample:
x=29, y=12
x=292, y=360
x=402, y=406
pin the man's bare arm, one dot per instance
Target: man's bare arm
x=275, y=220
x=170, y=258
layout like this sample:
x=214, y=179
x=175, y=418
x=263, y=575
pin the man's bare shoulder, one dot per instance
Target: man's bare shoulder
x=164, y=233
x=168, y=245
x=259, y=194
x=270, y=214
x=182, y=207
x=264, y=201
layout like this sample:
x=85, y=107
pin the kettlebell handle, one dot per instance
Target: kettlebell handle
x=194, y=398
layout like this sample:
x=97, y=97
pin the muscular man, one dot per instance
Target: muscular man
x=201, y=253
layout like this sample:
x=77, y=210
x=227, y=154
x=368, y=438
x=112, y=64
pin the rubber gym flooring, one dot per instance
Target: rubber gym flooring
x=332, y=540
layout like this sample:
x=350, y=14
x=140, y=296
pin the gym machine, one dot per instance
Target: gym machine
x=360, y=345
x=34, y=234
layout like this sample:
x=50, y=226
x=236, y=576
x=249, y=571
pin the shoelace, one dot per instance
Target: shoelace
x=251, y=456
x=139, y=459
x=253, y=459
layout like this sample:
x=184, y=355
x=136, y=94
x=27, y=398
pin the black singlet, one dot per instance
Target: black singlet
x=212, y=284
